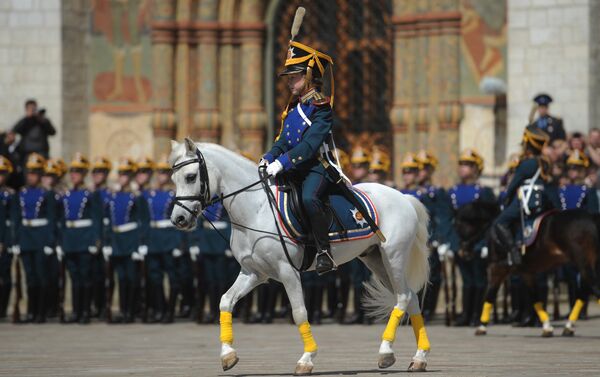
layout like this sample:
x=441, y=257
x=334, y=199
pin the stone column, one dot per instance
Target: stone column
x=206, y=113
x=183, y=82
x=163, y=38
x=252, y=117
x=228, y=55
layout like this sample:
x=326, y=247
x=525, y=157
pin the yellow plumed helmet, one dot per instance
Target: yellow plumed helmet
x=426, y=158
x=5, y=165
x=146, y=163
x=52, y=167
x=535, y=137
x=62, y=167
x=411, y=161
x=578, y=158
x=127, y=165
x=163, y=164
x=35, y=161
x=380, y=160
x=102, y=163
x=360, y=155
x=471, y=155
x=79, y=162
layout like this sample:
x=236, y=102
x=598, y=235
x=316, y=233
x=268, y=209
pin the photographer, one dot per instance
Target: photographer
x=34, y=129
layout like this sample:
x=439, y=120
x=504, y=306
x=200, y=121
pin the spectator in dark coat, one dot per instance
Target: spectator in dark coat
x=34, y=129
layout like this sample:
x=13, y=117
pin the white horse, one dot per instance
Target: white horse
x=400, y=263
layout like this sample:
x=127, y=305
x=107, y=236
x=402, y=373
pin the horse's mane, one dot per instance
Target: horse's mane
x=230, y=155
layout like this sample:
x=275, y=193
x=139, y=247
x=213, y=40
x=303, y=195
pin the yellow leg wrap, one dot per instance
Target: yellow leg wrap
x=574, y=316
x=420, y=333
x=226, y=328
x=486, y=312
x=389, y=333
x=539, y=309
x=309, y=342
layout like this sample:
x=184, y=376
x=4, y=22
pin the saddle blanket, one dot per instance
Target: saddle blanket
x=532, y=226
x=353, y=225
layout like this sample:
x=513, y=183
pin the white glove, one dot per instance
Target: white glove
x=48, y=250
x=143, y=250
x=194, y=252
x=137, y=256
x=107, y=252
x=444, y=251
x=228, y=253
x=93, y=250
x=15, y=250
x=263, y=162
x=484, y=252
x=177, y=253
x=274, y=168
x=59, y=253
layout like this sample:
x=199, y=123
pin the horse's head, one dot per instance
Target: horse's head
x=473, y=220
x=192, y=184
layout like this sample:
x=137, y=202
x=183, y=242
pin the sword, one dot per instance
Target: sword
x=339, y=181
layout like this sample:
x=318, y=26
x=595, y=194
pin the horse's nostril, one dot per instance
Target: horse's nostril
x=180, y=220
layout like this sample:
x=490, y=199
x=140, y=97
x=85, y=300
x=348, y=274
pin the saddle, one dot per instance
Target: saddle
x=532, y=227
x=346, y=223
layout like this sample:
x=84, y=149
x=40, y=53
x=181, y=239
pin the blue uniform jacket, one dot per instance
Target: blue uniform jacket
x=437, y=203
x=163, y=236
x=524, y=171
x=128, y=222
x=103, y=194
x=303, y=131
x=461, y=195
x=578, y=196
x=80, y=220
x=35, y=206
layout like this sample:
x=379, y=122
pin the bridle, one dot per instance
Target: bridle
x=204, y=196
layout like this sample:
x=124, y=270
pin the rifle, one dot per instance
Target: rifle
x=143, y=291
x=453, y=287
x=555, y=297
x=446, y=293
x=61, y=290
x=16, y=316
x=108, y=286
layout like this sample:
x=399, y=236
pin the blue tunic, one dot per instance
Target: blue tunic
x=81, y=220
x=128, y=222
x=34, y=218
x=163, y=236
x=578, y=196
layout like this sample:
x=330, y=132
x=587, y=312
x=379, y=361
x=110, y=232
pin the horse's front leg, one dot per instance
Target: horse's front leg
x=497, y=276
x=293, y=288
x=244, y=283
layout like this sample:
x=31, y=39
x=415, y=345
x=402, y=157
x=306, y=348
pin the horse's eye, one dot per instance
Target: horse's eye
x=190, y=178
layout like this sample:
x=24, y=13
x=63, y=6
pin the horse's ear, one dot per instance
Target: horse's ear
x=174, y=144
x=190, y=146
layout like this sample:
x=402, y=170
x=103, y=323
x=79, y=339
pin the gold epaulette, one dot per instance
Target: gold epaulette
x=317, y=98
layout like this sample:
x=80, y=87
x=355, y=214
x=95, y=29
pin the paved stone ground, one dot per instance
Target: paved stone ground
x=186, y=349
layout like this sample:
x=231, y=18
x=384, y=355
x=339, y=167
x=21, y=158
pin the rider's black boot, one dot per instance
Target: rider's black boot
x=507, y=240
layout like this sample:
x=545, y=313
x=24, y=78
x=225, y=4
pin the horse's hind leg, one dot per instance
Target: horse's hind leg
x=243, y=284
x=498, y=275
x=582, y=295
x=419, y=361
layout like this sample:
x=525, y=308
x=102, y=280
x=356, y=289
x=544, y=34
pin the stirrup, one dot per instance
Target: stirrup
x=333, y=264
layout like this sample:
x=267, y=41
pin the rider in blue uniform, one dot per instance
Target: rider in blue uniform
x=34, y=221
x=530, y=188
x=472, y=263
x=81, y=227
x=100, y=170
x=164, y=244
x=305, y=130
x=553, y=126
x=6, y=236
x=128, y=237
x=576, y=194
x=438, y=205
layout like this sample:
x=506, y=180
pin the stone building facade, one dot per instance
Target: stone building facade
x=123, y=77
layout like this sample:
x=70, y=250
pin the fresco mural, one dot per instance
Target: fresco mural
x=120, y=61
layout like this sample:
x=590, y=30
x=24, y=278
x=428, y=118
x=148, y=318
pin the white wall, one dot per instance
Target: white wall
x=549, y=51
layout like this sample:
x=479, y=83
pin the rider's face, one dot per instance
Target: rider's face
x=296, y=83
x=466, y=171
x=409, y=176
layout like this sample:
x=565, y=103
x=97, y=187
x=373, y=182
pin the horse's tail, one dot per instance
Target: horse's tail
x=379, y=299
x=417, y=274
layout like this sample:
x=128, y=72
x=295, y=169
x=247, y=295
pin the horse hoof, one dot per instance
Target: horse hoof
x=228, y=361
x=480, y=331
x=303, y=369
x=386, y=360
x=568, y=332
x=417, y=366
x=547, y=334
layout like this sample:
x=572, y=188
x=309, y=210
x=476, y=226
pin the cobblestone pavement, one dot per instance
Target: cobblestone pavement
x=186, y=349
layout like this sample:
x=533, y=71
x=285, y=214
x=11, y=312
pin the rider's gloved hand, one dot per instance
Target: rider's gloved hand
x=274, y=168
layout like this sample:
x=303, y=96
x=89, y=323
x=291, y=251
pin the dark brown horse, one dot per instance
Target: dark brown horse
x=563, y=237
